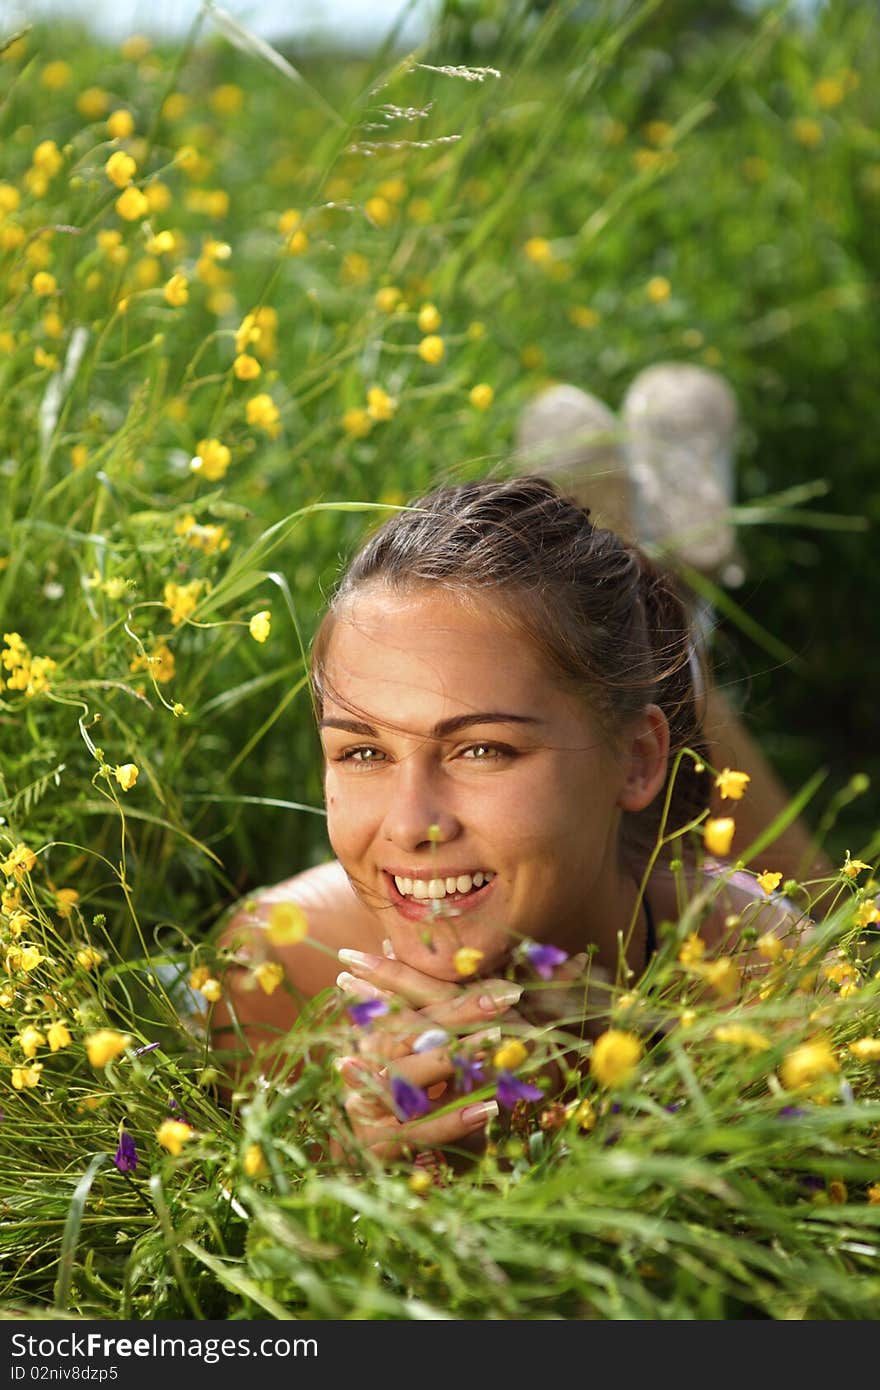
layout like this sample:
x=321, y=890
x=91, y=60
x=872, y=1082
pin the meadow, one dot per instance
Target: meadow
x=249, y=301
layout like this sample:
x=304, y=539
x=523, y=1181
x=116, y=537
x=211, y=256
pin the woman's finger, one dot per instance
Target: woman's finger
x=399, y=979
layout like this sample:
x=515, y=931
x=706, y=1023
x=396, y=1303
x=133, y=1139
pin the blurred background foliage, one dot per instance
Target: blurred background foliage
x=627, y=183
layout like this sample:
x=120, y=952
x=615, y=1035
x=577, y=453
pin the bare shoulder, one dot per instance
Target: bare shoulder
x=336, y=918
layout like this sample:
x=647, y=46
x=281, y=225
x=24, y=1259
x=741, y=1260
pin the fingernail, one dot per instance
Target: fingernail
x=501, y=996
x=474, y=1116
x=486, y=1035
x=579, y=962
x=340, y=1063
x=431, y=1038
x=359, y=960
x=352, y=985
x=388, y=950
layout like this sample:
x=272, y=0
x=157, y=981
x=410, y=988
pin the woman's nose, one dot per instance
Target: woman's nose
x=419, y=813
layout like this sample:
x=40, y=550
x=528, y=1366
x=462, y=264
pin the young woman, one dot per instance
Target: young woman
x=503, y=691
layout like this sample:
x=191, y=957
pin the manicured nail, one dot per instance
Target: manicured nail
x=475, y=1116
x=388, y=950
x=500, y=996
x=579, y=963
x=341, y=1063
x=431, y=1038
x=359, y=960
x=352, y=985
x=491, y=1036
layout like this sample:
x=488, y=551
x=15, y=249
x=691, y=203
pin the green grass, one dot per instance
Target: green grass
x=732, y=235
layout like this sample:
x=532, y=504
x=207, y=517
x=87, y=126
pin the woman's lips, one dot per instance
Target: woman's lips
x=422, y=909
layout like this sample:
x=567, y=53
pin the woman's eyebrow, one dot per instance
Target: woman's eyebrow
x=441, y=730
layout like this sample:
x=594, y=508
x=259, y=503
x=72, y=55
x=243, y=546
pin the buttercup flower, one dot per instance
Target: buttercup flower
x=22, y=859
x=254, y=1162
x=807, y=1064
x=510, y=1089
x=126, y=775
x=538, y=250
x=585, y=1115
x=125, y=1158
x=409, y=1101
x=768, y=881
x=614, y=1057
x=874, y=1195
x=211, y=990
x=176, y=291
x=104, y=1045
x=245, y=367
x=259, y=625
x=867, y=915
x=173, y=1134
x=431, y=349
x=732, y=785
x=24, y=1077
x=510, y=1055
x=723, y=976
x=120, y=124
x=120, y=169
x=387, y=299
x=380, y=406
x=658, y=289
x=357, y=422
x=692, y=950
x=44, y=284
x=769, y=946
x=742, y=1036
x=268, y=975
x=132, y=204
x=262, y=412
x=481, y=396
x=467, y=959
x=88, y=957
x=287, y=925
x=58, y=1035
x=212, y=459
x=853, y=867
x=866, y=1049
x=29, y=1039
x=718, y=834
x=429, y=318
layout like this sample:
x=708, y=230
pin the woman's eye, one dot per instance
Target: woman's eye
x=361, y=757
x=486, y=752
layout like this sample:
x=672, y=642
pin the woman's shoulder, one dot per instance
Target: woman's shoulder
x=733, y=900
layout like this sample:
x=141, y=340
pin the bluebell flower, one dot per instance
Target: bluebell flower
x=409, y=1101
x=510, y=1089
x=544, y=959
x=125, y=1158
x=363, y=1014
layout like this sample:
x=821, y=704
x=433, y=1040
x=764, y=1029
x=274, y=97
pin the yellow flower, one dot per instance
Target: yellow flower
x=585, y=1115
x=126, y=775
x=380, y=406
x=22, y=860
x=259, y=625
x=88, y=957
x=23, y=1077
x=29, y=1039
x=829, y=91
x=867, y=915
x=131, y=204
x=722, y=975
x=768, y=881
x=742, y=1036
x=387, y=299
x=56, y=75
x=532, y=357
x=718, y=834
x=355, y=268
x=769, y=946
x=158, y=196
x=431, y=349
x=120, y=169
x=58, y=1035
x=287, y=925
x=176, y=291
x=120, y=124
x=245, y=367
x=658, y=289
x=66, y=900
x=837, y=1192
x=853, y=867
x=688, y=1018
x=182, y=599
x=421, y=1181
x=380, y=211
x=467, y=959
x=481, y=396
x=807, y=132
x=807, y=1064
x=582, y=316
x=356, y=423
x=692, y=949
x=45, y=359
x=262, y=412
x=44, y=284
x=874, y=1195
x=211, y=459
x=173, y=1134
x=732, y=785
x=104, y=1045
x=47, y=158
x=268, y=975
x=614, y=1057
x=510, y=1055
x=429, y=318
x=227, y=99
x=538, y=250
x=254, y=1162
x=866, y=1049
x=211, y=990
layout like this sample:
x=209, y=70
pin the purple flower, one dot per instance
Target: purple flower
x=792, y=1112
x=544, y=959
x=125, y=1158
x=362, y=1014
x=510, y=1090
x=409, y=1101
x=150, y=1047
x=470, y=1072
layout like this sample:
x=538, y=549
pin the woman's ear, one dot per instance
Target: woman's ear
x=646, y=758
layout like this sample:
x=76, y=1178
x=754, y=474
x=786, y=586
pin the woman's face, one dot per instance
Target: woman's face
x=459, y=727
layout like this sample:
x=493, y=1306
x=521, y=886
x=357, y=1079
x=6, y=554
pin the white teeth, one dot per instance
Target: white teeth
x=438, y=888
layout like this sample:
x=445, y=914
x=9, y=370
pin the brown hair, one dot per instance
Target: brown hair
x=607, y=620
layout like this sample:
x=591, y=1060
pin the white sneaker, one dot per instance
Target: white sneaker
x=573, y=439
x=680, y=424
